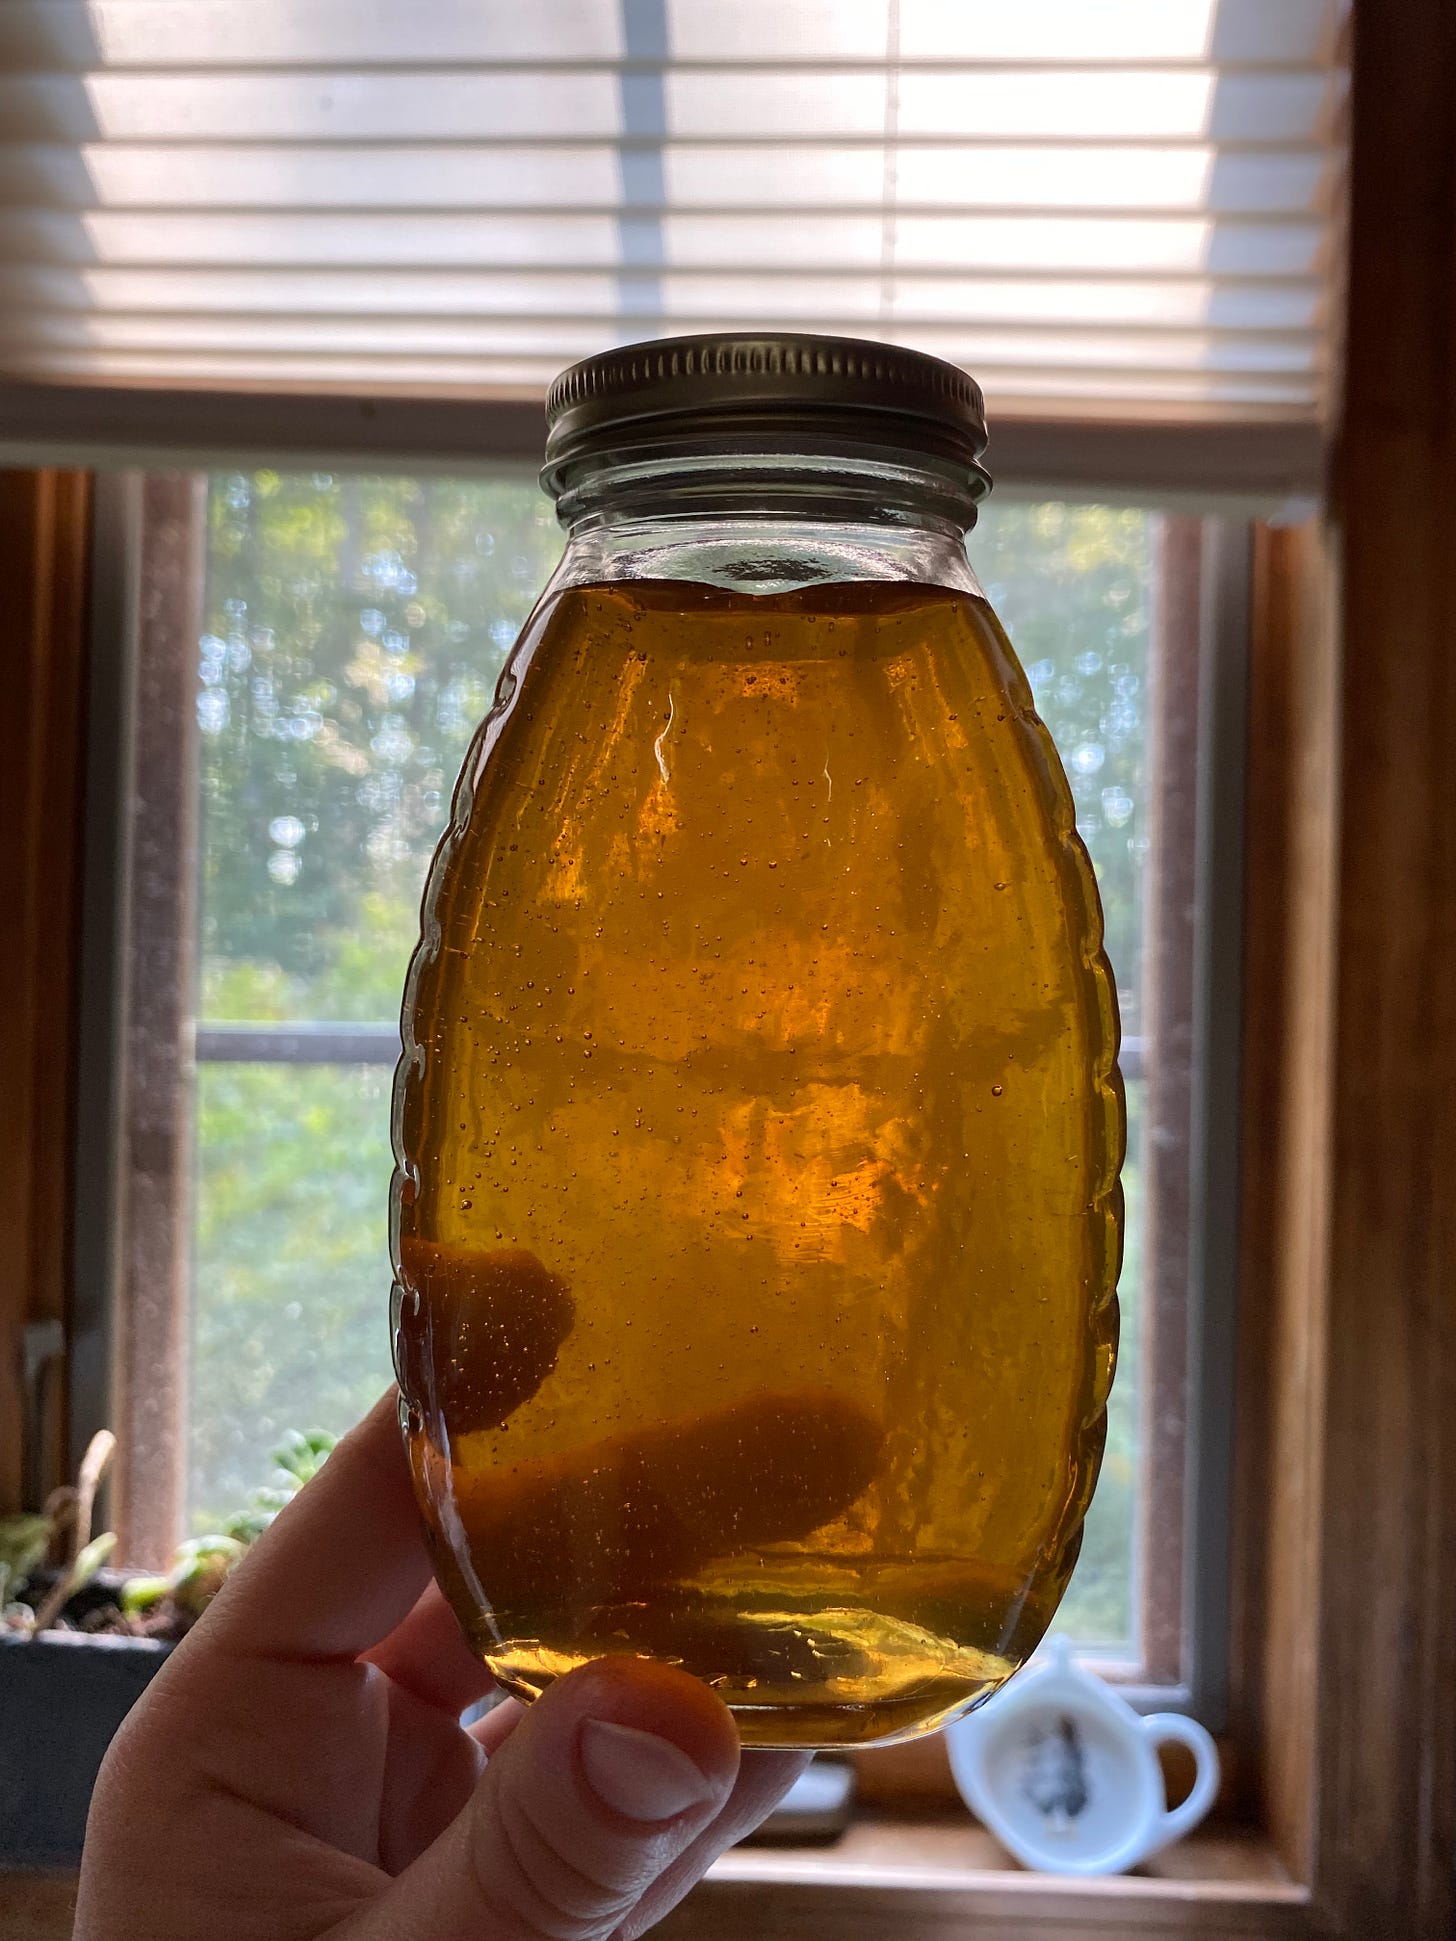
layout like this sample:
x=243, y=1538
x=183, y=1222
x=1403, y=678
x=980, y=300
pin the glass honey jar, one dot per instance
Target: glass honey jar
x=756, y=1220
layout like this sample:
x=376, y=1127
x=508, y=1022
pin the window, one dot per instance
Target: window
x=346, y=632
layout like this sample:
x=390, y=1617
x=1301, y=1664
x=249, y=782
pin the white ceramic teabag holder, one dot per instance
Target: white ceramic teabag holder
x=1066, y=1776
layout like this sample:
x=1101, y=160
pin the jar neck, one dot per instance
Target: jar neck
x=766, y=523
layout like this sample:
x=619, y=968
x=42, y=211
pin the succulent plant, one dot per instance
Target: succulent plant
x=201, y=1565
x=199, y=1569
x=26, y=1542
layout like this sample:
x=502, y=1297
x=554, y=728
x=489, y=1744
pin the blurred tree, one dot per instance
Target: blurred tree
x=355, y=629
x=1073, y=586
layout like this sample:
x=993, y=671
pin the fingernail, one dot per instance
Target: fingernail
x=639, y=1775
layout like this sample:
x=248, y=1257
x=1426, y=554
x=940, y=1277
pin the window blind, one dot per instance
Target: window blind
x=1125, y=210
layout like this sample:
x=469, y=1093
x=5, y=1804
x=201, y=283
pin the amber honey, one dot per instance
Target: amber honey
x=757, y=1217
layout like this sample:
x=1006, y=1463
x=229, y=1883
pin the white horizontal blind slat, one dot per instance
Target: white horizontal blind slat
x=339, y=33
x=801, y=243
x=355, y=369
x=1130, y=305
x=1161, y=352
x=1195, y=179
x=742, y=104
x=1121, y=207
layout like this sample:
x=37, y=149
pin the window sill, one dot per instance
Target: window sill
x=901, y=1878
x=38, y=1906
x=904, y=1877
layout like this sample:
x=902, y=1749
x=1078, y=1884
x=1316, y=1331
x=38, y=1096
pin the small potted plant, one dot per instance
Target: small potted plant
x=80, y=1640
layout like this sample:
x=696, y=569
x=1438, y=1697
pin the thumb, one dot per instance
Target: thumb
x=603, y=1784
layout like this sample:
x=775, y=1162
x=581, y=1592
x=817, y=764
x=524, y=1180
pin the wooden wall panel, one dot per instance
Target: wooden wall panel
x=1386, y=1776
x=1288, y=984
x=44, y=532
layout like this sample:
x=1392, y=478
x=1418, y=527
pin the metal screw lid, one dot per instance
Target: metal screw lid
x=762, y=390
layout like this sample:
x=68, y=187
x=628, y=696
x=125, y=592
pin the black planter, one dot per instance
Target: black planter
x=62, y=1696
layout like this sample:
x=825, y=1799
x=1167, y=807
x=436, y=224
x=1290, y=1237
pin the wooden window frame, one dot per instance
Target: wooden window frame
x=151, y=528
x=914, y=1860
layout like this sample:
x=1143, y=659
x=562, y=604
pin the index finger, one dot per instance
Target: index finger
x=340, y=1567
